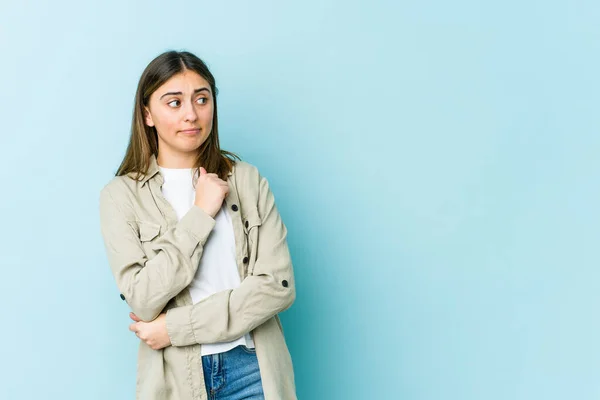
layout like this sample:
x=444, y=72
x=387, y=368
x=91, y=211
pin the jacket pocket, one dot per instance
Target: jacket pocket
x=252, y=222
x=148, y=231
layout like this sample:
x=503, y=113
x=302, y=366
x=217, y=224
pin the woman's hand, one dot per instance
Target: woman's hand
x=210, y=192
x=153, y=333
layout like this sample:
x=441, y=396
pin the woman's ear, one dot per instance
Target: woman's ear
x=148, y=117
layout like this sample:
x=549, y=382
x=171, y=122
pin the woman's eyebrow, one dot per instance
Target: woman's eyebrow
x=179, y=93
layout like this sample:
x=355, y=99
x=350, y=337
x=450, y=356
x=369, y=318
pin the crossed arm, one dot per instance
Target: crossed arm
x=148, y=284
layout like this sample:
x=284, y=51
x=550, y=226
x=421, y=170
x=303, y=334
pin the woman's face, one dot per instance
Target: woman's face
x=181, y=110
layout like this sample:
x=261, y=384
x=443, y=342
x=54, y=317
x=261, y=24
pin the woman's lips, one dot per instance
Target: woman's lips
x=191, y=131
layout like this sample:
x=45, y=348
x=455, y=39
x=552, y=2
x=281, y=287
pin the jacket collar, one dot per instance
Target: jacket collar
x=153, y=170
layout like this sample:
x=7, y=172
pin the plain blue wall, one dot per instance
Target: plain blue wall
x=436, y=164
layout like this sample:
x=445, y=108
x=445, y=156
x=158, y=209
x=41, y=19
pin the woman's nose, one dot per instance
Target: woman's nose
x=190, y=113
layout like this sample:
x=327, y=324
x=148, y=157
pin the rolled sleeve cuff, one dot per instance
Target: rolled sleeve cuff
x=179, y=326
x=198, y=223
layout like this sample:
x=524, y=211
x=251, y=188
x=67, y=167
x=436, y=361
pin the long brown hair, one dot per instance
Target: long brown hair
x=143, y=142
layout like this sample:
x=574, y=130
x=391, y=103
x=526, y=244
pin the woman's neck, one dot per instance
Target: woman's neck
x=176, y=161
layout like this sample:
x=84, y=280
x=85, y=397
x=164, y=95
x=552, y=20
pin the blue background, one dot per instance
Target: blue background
x=436, y=164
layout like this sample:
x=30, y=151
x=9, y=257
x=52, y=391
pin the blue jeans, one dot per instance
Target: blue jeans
x=233, y=375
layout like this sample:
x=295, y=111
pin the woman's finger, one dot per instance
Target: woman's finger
x=211, y=176
x=134, y=317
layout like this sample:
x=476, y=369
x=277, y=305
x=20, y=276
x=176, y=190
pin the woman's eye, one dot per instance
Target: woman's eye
x=202, y=100
x=173, y=103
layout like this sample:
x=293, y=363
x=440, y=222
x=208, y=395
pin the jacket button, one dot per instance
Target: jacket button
x=245, y=260
x=122, y=297
x=284, y=283
x=234, y=207
x=246, y=224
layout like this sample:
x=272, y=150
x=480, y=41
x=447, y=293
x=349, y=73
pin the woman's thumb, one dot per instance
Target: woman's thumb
x=134, y=317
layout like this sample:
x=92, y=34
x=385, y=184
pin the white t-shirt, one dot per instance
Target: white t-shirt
x=217, y=270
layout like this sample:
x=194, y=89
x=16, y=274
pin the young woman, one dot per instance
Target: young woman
x=197, y=248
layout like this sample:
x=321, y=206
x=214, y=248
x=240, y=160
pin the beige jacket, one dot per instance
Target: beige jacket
x=154, y=258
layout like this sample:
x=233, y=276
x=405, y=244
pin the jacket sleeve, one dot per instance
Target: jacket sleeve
x=149, y=284
x=229, y=314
